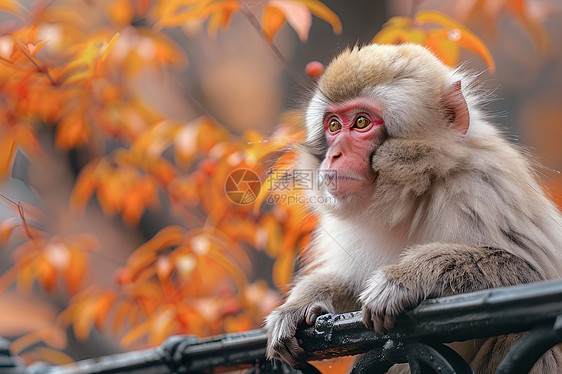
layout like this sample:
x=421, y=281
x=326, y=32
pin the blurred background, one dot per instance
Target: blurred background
x=122, y=119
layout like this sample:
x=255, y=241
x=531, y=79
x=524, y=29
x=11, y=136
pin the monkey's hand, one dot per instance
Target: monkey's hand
x=434, y=270
x=281, y=326
x=386, y=296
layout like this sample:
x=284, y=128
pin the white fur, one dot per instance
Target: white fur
x=347, y=248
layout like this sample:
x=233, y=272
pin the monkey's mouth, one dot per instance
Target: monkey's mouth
x=335, y=176
x=338, y=183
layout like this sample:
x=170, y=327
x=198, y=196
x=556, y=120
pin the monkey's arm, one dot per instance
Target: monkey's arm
x=313, y=295
x=434, y=270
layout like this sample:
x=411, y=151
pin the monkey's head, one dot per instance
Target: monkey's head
x=371, y=104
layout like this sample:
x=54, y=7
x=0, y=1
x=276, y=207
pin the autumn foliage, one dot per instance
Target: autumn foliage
x=67, y=71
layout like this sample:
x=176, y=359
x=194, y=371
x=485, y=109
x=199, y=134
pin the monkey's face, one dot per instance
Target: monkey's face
x=353, y=129
x=370, y=105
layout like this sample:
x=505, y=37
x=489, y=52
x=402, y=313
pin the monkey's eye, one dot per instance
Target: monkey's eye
x=362, y=122
x=334, y=125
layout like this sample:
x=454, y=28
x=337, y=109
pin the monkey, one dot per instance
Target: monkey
x=423, y=198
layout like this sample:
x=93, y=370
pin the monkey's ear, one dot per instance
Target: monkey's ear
x=457, y=109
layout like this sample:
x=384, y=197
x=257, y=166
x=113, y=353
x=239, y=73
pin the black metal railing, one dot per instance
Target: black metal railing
x=417, y=339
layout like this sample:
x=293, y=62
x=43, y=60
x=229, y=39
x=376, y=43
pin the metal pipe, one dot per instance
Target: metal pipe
x=454, y=318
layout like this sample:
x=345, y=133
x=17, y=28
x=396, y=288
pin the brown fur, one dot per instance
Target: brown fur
x=357, y=68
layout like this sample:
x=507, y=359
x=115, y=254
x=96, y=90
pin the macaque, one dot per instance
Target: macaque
x=422, y=196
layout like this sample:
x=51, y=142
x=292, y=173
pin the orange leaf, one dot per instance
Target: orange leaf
x=25, y=341
x=175, y=20
x=459, y=34
x=233, y=248
x=138, y=264
x=84, y=318
x=75, y=271
x=148, y=294
x=273, y=234
x=26, y=137
x=73, y=130
x=393, y=30
x=109, y=47
x=12, y=6
x=25, y=278
x=47, y=102
x=162, y=325
x=76, y=77
x=120, y=315
x=439, y=18
x=84, y=186
x=168, y=236
x=398, y=22
x=283, y=270
x=20, y=135
x=447, y=50
x=471, y=42
x=196, y=321
x=47, y=274
x=132, y=64
x=272, y=20
x=297, y=15
x=388, y=35
x=322, y=11
x=399, y=35
x=164, y=172
x=53, y=356
x=136, y=333
x=7, y=150
x=120, y=12
x=133, y=206
x=111, y=191
x=104, y=303
x=53, y=336
x=220, y=17
x=237, y=275
x=413, y=36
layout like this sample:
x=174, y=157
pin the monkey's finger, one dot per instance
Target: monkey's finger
x=378, y=322
x=293, y=354
x=388, y=322
x=313, y=314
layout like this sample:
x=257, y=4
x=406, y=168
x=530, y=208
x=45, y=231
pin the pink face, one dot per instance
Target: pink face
x=353, y=130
